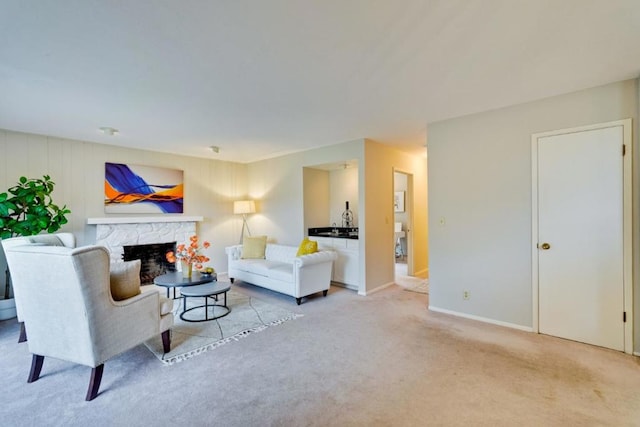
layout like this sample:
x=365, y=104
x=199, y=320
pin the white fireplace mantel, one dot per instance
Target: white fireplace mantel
x=143, y=219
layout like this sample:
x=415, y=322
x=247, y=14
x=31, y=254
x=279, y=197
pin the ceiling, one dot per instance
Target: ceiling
x=263, y=78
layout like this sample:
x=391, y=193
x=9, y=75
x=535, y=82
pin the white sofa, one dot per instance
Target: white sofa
x=282, y=271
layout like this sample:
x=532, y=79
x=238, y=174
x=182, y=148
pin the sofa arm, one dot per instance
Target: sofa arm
x=315, y=258
x=234, y=252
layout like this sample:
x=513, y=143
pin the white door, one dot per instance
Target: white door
x=580, y=236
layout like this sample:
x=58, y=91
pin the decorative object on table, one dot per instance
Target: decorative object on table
x=244, y=207
x=27, y=209
x=142, y=189
x=248, y=316
x=189, y=255
x=208, y=271
x=347, y=216
x=398, y=201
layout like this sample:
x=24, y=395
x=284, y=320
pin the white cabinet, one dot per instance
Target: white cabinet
x=346, y=268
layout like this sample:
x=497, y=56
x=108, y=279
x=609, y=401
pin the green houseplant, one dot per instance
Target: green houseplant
x=27, y=209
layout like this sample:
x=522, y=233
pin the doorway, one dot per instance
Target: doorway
x=581, y=232
x=403, y=224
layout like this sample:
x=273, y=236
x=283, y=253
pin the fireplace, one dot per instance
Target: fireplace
x=153, y=259
x=116, y=233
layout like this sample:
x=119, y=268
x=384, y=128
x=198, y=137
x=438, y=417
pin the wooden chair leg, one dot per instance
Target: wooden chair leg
x=166, y=341
x=36, y=367
x=23, y=333
x=94, y=384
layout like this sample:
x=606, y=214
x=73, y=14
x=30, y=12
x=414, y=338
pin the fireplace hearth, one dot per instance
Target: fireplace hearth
x=153, y=259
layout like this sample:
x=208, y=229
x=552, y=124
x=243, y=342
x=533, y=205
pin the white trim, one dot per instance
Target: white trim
x=424, y=273
x=378, y=289
x=627, y=222
x=143, y=219
x=481, y=319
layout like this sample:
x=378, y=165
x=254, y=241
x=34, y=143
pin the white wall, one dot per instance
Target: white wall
x=316, y=198
x=278, y=184
x=211, y=186
x=480, y=184
x=77, y=168
x=343, y=186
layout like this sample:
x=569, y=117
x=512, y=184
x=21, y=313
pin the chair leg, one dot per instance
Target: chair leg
x=23, y=333
x=36, y=368
x=94, y=383
x=231, y=279
x=166, y=341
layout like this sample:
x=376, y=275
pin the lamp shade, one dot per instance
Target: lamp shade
x=244, y=207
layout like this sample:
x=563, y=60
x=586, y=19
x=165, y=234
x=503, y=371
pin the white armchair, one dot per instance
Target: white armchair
x=58, y=239
x=66, y=302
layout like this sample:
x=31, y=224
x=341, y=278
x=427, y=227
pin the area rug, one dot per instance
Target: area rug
x=248, y=316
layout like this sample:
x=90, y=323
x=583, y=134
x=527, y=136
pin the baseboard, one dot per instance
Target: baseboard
x=423, y=274
x=635, y=353
x=482, y=319
x=373, y=291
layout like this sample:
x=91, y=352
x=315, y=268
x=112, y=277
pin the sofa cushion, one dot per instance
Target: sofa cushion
x=282, y=271
x=264, y=267
x=307, y=247
x=125, y=279
x=253, y=247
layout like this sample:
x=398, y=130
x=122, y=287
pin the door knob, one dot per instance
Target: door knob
x=545, y=246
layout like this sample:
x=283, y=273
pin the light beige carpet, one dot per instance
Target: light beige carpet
x=413, y=284
x=248, y=315
x=421, y=288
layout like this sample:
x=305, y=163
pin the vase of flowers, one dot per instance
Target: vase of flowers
x=189, y=254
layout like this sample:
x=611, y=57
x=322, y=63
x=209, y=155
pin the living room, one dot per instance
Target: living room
x=397, y=78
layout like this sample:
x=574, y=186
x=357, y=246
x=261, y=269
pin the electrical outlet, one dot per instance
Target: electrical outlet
x=466, y=294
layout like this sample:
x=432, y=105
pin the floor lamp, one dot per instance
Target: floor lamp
x=244, y=207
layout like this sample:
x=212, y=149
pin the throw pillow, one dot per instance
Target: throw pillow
x=254, y=247
x=307, y=247
x=125, y=279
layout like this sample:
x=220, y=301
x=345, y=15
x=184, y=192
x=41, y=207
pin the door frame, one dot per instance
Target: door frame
x=408, y=206
x=627, y=227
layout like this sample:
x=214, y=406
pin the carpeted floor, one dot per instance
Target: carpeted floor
x=413, y=283
x=248, y=316
x=421, y=288
x=379, y=360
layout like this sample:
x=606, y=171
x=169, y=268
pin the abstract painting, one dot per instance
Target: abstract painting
x=142, y=189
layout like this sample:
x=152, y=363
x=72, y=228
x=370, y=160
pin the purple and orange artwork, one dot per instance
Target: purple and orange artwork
x=142, y=189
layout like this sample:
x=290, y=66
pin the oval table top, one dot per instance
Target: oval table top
x=208, y=289
x=173, y=279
